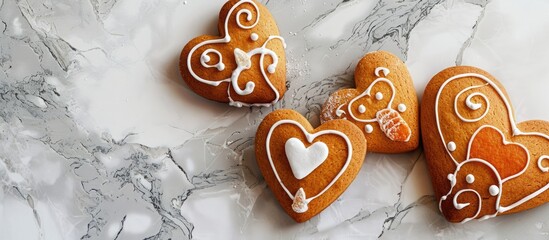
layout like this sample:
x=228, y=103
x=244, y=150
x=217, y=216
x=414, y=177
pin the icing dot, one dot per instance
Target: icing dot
x=470, y=178
x=220, y=67
x=452, y=179
x=361, y=109
x=206, y=58
x=379, y=95
x=452, y=146
x=254, y=37
x=369, y=128
x=494, y=190
x=271, y=69
x=401, y=107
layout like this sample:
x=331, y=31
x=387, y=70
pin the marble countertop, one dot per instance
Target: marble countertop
x=101, y=139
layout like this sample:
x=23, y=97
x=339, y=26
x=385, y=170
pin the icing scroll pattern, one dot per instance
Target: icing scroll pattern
x=504, y=170
x=242, y=58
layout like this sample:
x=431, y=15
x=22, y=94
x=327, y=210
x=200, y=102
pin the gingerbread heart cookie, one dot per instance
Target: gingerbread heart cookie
x=307, y=169
x=246, y=66
x=482, y=162
x=383, y=105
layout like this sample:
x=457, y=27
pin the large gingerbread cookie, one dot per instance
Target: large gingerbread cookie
x=246, y=66
x=383, y=105
x=307, y=169
x=482, y=162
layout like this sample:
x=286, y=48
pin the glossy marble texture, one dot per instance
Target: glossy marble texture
x=100, y=138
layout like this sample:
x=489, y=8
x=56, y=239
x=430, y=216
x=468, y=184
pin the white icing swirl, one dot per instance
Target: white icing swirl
x=471, y=105
x=204, y=59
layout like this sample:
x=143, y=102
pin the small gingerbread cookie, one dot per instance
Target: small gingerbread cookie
x=244, y=67
x=307, y=169
x=383, y=105
x=481, y=161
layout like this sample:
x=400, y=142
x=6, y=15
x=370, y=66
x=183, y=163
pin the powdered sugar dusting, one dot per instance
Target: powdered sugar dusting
x=333, y=103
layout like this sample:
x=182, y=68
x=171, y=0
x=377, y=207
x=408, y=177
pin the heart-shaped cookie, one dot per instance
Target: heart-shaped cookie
x=383, y=105
x=246, y=66
x=307, y=169
x=482, y=162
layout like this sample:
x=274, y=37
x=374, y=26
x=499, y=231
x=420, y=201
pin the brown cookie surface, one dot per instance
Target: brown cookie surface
x=383, y=105
x=481, y=161
x=307, y=169
x=246, y=66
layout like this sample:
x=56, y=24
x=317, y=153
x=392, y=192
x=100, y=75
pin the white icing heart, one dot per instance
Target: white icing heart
x=304, y=160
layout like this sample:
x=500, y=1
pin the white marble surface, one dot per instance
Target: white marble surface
x=100, y=138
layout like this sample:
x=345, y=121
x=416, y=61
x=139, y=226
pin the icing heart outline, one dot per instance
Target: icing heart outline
x=489, y=164
x=310, y=137
x=187, y=66
x=487, y=89
x=308, y=158
x=384, y=109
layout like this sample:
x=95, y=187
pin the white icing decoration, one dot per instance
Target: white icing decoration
x=310, y=138
x=379, y=96
x=452, y=179
x=254, y=37
x=339, y=112
x=368, y=128
x=514, y=129
x=401, y=108
x=452, y=146
x=382, y=69
x=462, y=205
x=471, y=105
x=242, y=62
x=498, y=207
x=367, y=93
x=242, y=59
x=494, y=190
x=470, y=178
x=271, y=68
x=300, y=203
x=361, y=109
x=304, y=160
x=540, y=165
x=381, y=115
x=205, y=58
